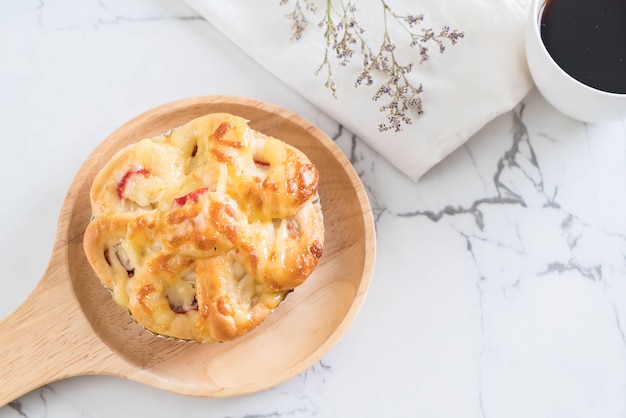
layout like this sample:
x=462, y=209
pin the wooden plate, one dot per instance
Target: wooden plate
x=71, y=326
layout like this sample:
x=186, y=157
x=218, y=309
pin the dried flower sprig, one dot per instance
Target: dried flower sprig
x=340, y=37
x=342, y=34
x=299, y=20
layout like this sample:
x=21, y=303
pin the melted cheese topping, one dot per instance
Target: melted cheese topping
x=201, y=232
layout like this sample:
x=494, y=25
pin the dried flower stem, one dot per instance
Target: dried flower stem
x=342, y=35
x=299, y=20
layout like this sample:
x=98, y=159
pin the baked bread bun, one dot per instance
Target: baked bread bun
x=201, y=232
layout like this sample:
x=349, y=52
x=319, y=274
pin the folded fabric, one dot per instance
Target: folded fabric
x=463, y=88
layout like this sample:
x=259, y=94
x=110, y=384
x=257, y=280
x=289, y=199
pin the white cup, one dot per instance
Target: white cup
x=561, y=90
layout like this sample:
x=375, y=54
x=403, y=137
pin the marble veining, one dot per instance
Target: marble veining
x=521, y=233
x=63, y=16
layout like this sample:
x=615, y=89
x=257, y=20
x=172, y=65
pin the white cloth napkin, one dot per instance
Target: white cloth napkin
x=481, y=77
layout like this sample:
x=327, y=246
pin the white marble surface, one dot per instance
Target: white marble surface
x=500, y=283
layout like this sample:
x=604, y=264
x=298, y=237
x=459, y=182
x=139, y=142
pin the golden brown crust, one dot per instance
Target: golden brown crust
x=200, y=233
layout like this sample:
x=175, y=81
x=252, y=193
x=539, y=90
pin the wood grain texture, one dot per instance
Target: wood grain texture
x=71, y=326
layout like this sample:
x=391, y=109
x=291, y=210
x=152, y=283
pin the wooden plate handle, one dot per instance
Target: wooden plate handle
x=47, y=337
